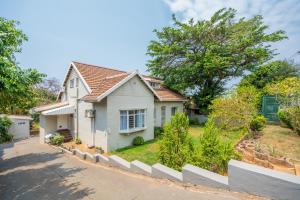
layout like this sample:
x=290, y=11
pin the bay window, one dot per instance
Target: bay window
x=131, y=120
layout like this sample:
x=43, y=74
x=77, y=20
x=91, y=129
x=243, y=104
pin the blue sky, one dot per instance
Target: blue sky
x=116, y=33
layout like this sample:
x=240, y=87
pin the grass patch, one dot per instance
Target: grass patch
x=148, y=152
x=283, y=140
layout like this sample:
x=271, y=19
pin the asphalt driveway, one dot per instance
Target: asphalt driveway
x=29, y=170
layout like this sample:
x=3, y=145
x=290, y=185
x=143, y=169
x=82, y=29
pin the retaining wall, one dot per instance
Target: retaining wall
x=242, y=177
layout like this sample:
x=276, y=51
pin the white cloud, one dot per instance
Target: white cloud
x=277, y=15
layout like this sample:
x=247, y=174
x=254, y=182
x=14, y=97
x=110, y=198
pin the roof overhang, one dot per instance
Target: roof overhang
x=64, y=110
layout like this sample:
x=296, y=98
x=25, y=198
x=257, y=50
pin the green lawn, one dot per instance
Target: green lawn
x=148, y=152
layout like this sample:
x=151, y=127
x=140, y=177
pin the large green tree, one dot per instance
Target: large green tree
x=16, y=84
x=272, y=72
x=199, y=57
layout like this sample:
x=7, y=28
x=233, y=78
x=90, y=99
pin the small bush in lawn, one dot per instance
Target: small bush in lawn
x=57, y=140
x=138, y=140
x=176, y=146
x=158, y=132
x=257, y=123
x=212, y=153
x=5, y=123
x=77, y=140
x=284, y=118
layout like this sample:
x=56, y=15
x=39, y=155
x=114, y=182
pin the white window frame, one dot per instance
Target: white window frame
x=175, y=108
x=72, y=83
x=163, y=113
x=136, y=112
x=77, y=82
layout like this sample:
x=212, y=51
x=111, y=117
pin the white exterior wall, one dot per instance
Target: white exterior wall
x=100, y=126
x=132, y=95
x=85, y=123
x=71, y=95
x=63, y=122
x=48, y=124
x=20, y=128
x=169, y=106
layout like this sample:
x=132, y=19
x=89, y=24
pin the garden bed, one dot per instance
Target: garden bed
x=275, y=147
x=81, y=147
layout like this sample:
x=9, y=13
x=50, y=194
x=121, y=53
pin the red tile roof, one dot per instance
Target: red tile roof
x=101, y=79
x=166, y=94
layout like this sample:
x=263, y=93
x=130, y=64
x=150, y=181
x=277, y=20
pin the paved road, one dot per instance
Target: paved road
x=29, y=170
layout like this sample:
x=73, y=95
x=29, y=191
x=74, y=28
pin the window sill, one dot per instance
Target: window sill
x=128, y=132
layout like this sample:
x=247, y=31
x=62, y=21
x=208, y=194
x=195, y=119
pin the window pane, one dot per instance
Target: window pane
x=163, y=115
x=123, y=112
x=137, y=120
x=143, y=120
x=123, y=124
x=173, y=110
x=131, y=121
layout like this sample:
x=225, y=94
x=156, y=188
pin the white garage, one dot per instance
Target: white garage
x=20, y=127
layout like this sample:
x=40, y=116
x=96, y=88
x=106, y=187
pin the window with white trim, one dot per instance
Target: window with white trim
x=72, y=83
x=77, y=82
x=163, y=115
x=131, y=120
x=155, y=85
x=173, y=110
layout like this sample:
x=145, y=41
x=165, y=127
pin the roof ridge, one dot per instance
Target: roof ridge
x=97, y=66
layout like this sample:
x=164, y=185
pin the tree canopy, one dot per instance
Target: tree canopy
x=16, y=84
x=198, y=57
x=272, y=72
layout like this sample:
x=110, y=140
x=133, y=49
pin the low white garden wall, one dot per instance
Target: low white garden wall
x=242, y=177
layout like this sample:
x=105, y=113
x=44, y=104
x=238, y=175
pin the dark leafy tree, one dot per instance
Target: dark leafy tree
x=272, y=72
x=199, y=57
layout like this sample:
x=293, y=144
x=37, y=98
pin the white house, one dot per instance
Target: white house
x=108, y=107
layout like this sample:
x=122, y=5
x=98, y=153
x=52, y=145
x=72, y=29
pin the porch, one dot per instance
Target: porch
x=58, y=120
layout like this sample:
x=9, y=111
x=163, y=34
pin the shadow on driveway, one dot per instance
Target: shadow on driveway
x=30, y=177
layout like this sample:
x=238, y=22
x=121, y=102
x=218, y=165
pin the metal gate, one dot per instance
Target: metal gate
x=270, y=108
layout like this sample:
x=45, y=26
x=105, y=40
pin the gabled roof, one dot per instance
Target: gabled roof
x=101, y=81
x=94, y=75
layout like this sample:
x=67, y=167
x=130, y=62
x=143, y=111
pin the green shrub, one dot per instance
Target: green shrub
x=158, y=132
x=291, y=117
x=176, y=146
x=194, y=122
x=212, y=153
x=5, y=123
x=77, y=140
x=294, y=114
x=57, y=140
x=257, y=123
x=284, y=118
x=232, y=112
x=138, y=140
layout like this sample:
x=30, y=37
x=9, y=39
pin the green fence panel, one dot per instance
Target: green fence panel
x=270, y=107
